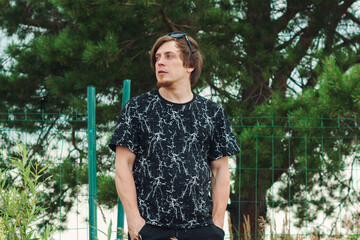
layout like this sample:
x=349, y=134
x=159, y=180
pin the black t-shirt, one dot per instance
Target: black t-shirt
x=174, y=145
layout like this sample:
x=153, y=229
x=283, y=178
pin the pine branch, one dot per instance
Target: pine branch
x=219, y=90
x=347, y=41
x=261, y=96
x=309, y=33
x=41, y=139
x=135, y=4
x=30, y=17
x=55, y=26
x=295, y=82
x=290, y=41
x=335, y=18
x=74, y=142
x=311, y=80
x=352, y=17
x=291, y=11
x=172, y=27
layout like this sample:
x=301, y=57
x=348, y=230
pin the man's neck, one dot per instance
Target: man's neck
x=177, y=95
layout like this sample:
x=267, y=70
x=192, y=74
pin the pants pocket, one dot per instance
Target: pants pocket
x=210, y=232
x=219, y=231
x=143, y=230
x=140, y=232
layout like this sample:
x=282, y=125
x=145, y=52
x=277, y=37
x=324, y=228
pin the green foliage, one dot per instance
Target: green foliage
x=262, y=58
x=106, y=191
x=20, y=203
x=109, y=232
x=306, y=150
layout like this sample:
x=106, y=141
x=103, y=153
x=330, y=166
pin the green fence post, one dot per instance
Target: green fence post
x=92, y=162
x=121, y=215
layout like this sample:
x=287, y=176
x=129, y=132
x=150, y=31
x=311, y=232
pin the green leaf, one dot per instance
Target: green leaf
x=109, y=230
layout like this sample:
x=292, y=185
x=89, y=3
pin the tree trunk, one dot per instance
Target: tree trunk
x=248, y=200
x=243, y=210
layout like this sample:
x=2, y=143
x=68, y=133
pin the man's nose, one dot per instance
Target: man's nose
x=160, y=61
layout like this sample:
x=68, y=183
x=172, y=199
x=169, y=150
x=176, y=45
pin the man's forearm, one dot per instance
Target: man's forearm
x=126, y=190
x=220, y=190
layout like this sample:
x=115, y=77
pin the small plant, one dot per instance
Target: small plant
x=109, y=230
x=20, y=201
x=352, y=226
x=247, y=228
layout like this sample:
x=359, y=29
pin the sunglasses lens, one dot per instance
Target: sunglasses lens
x=177, y=35
x=180, y=35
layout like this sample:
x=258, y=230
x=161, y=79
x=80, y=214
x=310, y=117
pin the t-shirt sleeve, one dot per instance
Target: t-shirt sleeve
x=223, y=142
x=126, y=131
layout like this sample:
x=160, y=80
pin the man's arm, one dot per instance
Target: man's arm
x=220, y=189
x=126, y=190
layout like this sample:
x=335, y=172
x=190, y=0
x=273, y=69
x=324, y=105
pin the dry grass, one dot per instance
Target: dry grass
x=285, y=233
x=247, y=228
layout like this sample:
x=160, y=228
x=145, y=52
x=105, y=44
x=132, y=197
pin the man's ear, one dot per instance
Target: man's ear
x=190, y=69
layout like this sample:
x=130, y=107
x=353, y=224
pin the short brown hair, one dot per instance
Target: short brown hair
x=190, y=59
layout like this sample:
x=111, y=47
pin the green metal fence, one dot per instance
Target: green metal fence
x=67, y=143
x=58, y=140
x=91, y=94
x=296, y=176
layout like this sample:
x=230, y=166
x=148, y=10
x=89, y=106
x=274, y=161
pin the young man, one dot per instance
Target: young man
x=172, y=149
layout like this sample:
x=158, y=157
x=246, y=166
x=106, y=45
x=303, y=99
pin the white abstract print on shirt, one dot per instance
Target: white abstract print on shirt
x=174, y=145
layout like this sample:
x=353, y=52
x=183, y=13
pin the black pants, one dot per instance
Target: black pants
x=211, y=232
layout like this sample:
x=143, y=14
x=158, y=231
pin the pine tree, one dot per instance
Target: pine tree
x=262, y=58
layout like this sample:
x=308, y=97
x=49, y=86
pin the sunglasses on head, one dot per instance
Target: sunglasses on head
x=178, y=35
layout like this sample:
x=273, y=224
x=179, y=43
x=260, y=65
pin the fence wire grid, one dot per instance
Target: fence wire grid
x=295, y=177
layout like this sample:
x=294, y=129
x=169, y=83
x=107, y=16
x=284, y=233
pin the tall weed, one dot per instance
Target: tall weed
x=20, y=207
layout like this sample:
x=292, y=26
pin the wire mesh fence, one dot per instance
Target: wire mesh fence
x=295, y=178
x=59, y=141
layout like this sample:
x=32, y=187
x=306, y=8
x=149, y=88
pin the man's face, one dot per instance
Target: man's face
x=169, y=67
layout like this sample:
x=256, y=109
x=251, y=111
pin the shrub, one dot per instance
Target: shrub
x=20, y=207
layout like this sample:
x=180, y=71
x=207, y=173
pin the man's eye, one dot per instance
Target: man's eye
x=169, y=56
